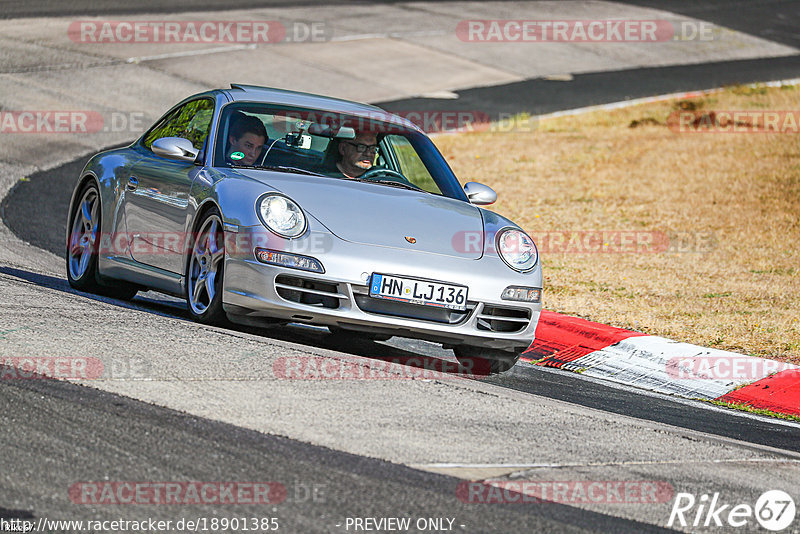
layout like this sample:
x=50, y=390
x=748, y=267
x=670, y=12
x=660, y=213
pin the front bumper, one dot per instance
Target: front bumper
x=256, y=291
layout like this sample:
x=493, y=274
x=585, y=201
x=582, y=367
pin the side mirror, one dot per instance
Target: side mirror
x=175, y=148
x=480, y=194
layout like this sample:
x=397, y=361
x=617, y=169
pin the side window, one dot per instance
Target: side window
x=191, y=121
x=409, y=163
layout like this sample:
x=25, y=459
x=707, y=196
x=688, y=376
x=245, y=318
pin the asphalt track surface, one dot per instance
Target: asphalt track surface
x=10, y=9
x=771, y=19
x=540, y=96
x=774, y=20
x=49, y=192
x=179, y=447
x=94, y=429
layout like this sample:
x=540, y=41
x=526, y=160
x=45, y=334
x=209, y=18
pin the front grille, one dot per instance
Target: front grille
x=408, y=311
x=308, y=291
x=502, y=319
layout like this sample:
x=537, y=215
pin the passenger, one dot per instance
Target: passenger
x=246, y=140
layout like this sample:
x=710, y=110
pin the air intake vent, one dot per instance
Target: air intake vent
x=502, y=319
x=308, y=291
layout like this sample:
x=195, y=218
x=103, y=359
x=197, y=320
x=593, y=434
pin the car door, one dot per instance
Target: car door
x=158, y=190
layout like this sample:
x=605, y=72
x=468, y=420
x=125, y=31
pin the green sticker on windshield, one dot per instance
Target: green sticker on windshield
x=237, y=156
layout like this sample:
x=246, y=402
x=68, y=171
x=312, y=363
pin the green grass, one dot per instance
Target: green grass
x=716, y=295
x=750, y=409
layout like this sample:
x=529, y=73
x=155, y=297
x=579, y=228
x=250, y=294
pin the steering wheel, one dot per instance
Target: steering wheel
x=392, y=175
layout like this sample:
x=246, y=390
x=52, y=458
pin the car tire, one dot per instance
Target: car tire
x=205, y=265
x=83, y=248
x=482, y=361
x=358, y=334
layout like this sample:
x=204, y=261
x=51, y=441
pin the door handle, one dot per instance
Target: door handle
x=133, y=183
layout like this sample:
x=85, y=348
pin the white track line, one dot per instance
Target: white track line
x=206, y=51
x=601, y=464
x=390, y=35
x=659, y=98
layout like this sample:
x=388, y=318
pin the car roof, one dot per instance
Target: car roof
x=255, y=93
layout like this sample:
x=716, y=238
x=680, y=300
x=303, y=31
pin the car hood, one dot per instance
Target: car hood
x=382, y=215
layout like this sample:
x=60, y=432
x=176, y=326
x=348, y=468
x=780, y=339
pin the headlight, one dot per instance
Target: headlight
x=517, y=249
x=281, y=215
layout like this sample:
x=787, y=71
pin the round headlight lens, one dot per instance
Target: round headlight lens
x=282, y=216
x=517, y=250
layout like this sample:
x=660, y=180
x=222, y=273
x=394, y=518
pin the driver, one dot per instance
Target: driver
x=357, y=156
x=246, y=140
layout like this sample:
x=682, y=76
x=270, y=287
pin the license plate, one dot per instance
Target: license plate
x=450, y=296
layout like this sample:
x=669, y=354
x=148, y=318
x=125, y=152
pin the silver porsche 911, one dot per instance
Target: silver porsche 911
x=263, y=206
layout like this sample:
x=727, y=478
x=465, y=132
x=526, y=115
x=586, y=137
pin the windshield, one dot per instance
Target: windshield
x=330, y=144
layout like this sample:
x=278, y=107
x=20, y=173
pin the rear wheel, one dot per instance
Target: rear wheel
x=83, y=245
x=482, y=361
x=205, y=269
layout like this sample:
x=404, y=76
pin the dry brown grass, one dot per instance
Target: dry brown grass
x=734, y=198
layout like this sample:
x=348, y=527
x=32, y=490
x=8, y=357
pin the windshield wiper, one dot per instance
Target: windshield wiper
x=390, y=183
x=281, y=168
x=295, y=170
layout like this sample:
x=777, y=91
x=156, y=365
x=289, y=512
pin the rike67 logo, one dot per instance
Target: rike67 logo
x=774, y=510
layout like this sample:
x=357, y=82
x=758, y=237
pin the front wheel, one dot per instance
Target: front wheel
x=205, y=269
x=481, y=361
